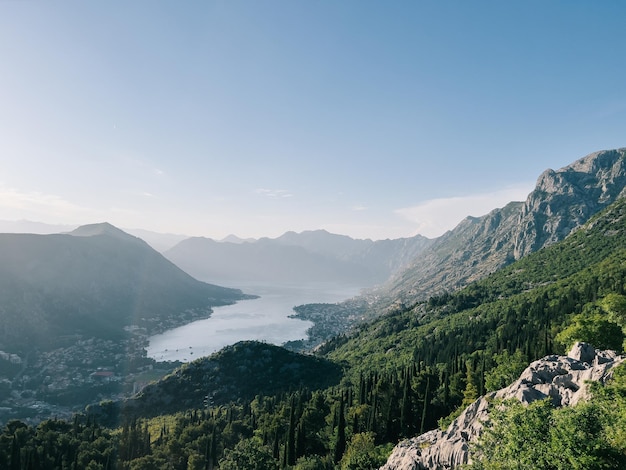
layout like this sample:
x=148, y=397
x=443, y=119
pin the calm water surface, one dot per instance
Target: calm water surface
x=262, y=319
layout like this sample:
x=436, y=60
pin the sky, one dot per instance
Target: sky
x=366, y=118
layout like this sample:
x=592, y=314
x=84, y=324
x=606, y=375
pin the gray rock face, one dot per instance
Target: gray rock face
x=564, y=200
x=561, y=201
x=561, y=378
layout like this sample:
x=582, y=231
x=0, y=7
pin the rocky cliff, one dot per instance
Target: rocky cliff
x=560, y=378
x=561, y=201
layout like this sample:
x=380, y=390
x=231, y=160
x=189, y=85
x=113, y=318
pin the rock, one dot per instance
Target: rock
x=583, y=352
x=561, y=378
x=562, y=201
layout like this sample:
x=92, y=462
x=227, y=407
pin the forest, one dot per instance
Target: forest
x=403, y=373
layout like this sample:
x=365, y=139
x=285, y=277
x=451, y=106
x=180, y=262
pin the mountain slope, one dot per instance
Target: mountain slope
x=520, y=306
x=238, y=372
x=93, y=281
x=561, y=201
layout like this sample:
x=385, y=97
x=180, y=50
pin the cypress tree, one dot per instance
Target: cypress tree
x=406, y=412
x=340, y=443
x=422, y=424
x=362, y=394
x=16, y=461
x=290, y=449
x=276, y=446
x=300, y=440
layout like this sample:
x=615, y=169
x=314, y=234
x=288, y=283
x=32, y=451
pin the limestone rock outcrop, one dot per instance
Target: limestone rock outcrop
x=560, y=378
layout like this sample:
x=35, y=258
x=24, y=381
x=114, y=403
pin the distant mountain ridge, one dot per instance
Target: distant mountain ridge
x=310, y=256
x=93, y=281
x=561, y=201
x=158, y=241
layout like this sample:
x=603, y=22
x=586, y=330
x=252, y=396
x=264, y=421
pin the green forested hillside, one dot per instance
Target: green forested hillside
x=237, y=373
x=522, y=306
x=402, y=374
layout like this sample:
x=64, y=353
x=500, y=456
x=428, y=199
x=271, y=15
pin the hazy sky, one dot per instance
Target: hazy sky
x=372, y=119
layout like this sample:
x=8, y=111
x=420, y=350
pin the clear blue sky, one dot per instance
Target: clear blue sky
x=372, y=119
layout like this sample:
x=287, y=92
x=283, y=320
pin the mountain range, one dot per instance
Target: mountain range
x=310, y=256
x=158, y=241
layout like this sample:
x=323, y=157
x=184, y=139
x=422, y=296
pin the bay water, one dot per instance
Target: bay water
x=262, y=319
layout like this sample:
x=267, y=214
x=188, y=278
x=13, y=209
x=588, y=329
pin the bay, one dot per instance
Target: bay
x=262, y=319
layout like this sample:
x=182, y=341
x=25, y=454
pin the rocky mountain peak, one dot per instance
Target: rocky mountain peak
x=563, y=379
x=563, y=200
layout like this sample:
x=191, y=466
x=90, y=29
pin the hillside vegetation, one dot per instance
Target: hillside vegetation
x=521, y=307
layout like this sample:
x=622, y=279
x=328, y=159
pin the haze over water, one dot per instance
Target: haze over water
x=262, y=319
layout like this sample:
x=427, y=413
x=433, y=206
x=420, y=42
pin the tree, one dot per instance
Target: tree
x=615, y=306
x=406, y=411
x=314, y=462
x=592, y=326
x=508, y=368
x=290, y=447
x=541, y=436
x=470, y=394
x=362, y=453
x=516, y=437
x=16, y=462
x=149, y=462
x=248, y=454
x=340, y=441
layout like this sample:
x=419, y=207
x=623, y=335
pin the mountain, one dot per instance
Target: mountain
x=93, y=281
x=561, y=201
x=326, y=243
x=158, y=241
x=238, y=372
x=521, y=306
x=565, y=380
x=312, y=256
x=235, y=239
x=383, y=257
